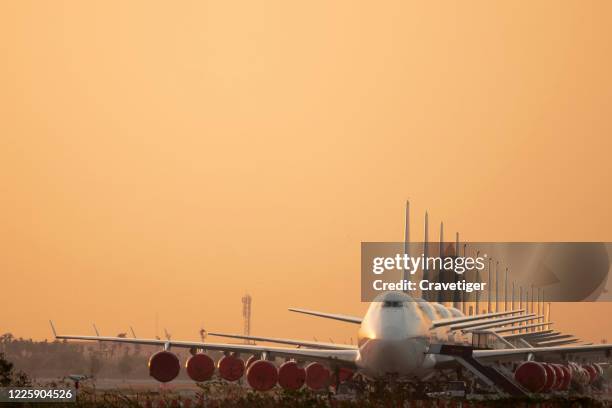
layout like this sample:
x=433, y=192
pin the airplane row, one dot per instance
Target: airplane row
x=399, y=337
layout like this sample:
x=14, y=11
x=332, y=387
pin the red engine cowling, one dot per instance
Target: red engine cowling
x=344, y=374
x=250, y=361
x=559, y=376
x=291, y=376
x=531, y=375
x=317, y=376
x=567, y=378
x=580, y=375
x=262, y=375
x=164, y=366
x=231, y=368
x=551, y=377
x=592, y=371
x=575, y=371
x=200, y=367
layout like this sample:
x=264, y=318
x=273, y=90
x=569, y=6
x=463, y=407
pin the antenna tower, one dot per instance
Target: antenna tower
x=246, y=315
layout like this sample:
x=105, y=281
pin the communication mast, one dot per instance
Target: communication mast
x=246, y=315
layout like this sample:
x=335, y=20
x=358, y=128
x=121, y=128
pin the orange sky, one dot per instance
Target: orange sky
x=170, y=156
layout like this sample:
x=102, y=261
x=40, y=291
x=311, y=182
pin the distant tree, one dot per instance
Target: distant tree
x=6, y=372
x=10, y=377
x=5, y=339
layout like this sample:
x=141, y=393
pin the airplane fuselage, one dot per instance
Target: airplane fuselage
x=395, y=335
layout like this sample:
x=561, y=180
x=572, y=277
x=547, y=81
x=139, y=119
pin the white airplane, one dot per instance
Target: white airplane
x=399, y=337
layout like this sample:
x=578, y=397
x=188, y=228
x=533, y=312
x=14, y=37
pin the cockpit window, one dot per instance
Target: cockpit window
x=392, y=303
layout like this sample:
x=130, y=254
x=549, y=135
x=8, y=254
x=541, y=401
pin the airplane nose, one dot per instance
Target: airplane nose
x=383, y=356
x=392, y=332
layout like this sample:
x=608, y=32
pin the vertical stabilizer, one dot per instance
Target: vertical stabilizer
x=489, y=287
x=506, y=291
x=441, y=239
x=458, y=298
x=543, y=304
x=425, y=253
x=520, y=300
x=530, y=307
x=456, y=244
x=477, y=295
x=441, y=272
x=539, y=301
x=466, y=295
x=496, y=286
x=407, y=238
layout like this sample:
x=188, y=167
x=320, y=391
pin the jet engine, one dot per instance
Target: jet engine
x=559, y=376
x=200, y=367
x=551, y=378
x=262, y=375
x=531, y=375
x=164, y=366
x=317, y=376
x=291, y=376
x=579, y=375
x=592, y=371
x=344, y=374
x=600, y=370
x=251, y=360
x=567, y=378
x=230, y=367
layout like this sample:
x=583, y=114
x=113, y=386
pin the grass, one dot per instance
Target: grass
x=220, y=394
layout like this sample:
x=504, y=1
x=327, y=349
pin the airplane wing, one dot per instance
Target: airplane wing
x=343, y=318
x=302, y=343
x=345, y=358
x=529, y=326
x=476, y=319
x=528, y=335
x=503, y=323
x=556, y=353
x=464, y=319
x=498, y=321
x=557, y=343
x=435, y=323
x=551, y=337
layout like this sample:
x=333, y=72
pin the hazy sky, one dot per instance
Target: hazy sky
x=168, y=157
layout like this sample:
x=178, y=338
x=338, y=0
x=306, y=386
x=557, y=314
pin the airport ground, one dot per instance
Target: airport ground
x=219, y=393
